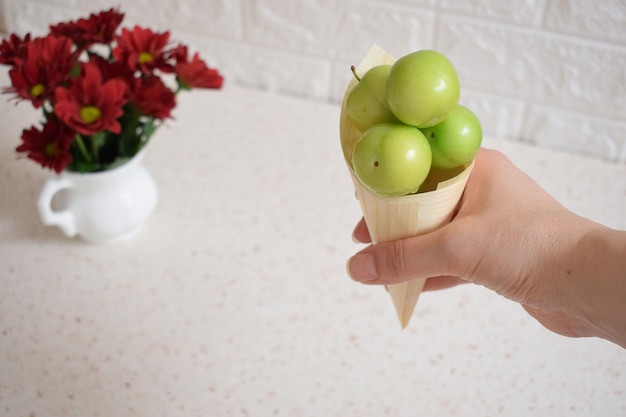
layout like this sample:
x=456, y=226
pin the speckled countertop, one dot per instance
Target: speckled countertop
x=234, y=301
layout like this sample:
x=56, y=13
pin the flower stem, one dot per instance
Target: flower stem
x=81, y=146
x=95, y=146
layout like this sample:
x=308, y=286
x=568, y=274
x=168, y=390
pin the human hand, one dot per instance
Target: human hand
x=512, y=237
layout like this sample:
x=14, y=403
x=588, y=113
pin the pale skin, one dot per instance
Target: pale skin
x=512, y=237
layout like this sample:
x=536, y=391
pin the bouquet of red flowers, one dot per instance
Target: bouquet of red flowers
x=102, y=94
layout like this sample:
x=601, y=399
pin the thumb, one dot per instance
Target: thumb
x=425, y=256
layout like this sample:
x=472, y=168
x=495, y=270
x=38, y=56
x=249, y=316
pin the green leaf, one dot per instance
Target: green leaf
x=120, y=160
x=83, y=166
x=129, y=139
x=149, y=128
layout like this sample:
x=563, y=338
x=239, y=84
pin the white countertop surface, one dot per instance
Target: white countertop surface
x=234, y=301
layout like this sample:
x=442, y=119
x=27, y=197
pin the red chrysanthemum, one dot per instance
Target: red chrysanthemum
x=47, y=64
x=112, y=69
x=90, y=106
x=49, y=146
x=143, y=50
x=90, y=80
x=195, y=73
x=13, y=50
x=152, y=97
x=97, y=28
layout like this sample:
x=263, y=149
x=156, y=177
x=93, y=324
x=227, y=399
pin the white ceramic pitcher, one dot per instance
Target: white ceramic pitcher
x=101, y=207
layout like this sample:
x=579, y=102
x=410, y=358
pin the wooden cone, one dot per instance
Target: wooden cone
x=392, y=218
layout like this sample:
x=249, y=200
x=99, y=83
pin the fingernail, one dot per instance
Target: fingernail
x=355, y=240
x=362, y=267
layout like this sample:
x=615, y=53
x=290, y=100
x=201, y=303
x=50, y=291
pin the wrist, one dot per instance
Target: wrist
x=599, y=285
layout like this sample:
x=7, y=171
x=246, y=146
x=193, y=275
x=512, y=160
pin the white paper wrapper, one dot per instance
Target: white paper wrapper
x=392, y=218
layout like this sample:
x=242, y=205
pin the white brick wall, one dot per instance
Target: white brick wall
x=549, y=72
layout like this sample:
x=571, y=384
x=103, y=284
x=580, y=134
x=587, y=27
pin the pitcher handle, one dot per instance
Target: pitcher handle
x=64, y=219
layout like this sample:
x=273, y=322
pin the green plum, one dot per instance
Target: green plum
x=392, y=159
x=366, y=103
x=456, y=140
x=422, y=88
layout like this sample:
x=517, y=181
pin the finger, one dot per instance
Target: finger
x=397, y=261
x=361, y=234
x=441, y=283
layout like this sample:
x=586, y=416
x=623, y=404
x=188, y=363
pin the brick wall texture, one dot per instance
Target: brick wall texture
x=546, y=72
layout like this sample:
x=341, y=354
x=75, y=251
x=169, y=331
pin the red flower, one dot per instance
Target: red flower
x=143, y=50
x=50, y=146
x=112, y=69
x=195, y=73
x=89, y=105
x=48, y=62
x=90, y=80
x=98, y=28
x=152, y=97
x=13, y=50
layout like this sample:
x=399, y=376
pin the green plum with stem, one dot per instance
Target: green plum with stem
x=366, y=103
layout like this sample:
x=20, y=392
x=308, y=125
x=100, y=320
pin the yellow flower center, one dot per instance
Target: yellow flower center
x=90, y=114
x=37, y=90
x=50, y=149
x=145, y=57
